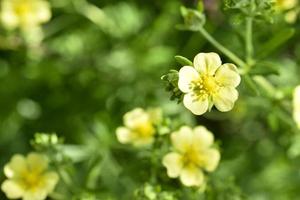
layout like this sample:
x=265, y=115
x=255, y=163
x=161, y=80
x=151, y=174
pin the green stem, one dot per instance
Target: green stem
x=249, y=45
x=223, y=49
x=248, y=37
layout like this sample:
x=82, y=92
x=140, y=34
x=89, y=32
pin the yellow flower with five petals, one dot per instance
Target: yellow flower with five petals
x=139, y=127
x=28, y=177
x=25, y=14
x=209, y=83
x=193, y=154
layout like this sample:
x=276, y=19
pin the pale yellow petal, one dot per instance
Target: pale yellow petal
x=50, y=180
x=202, y=138
x=173, y=163
x=9, y=19
x=182, y=139
x=36, y=194
x=123, y=135
x=225, y=98
x=36, y=162
x=12, y=189
x=227, y=75
x=296, y=105
x=186, y=75
x=196, y=106
x=191, y=176
x=212, y=159
x=43, y=12
x=207, y=63
x=16, y=167
x=136, y=117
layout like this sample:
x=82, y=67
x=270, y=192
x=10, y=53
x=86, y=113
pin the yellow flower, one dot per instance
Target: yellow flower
x=285, y=4
x=296, y=105
x=28, y=177
x=209, y=83
x=139, y=128
x=290, y=7
x=24, y=14
x=193, y=153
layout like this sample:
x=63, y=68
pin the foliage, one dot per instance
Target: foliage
x=66, y=85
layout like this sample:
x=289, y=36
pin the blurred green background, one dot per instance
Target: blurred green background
x=100, y=59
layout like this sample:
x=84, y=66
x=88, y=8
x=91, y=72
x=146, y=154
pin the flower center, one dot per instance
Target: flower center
x=32, y=180
x=192, y=157
x=204, y=87
x=144, y=130
x=22, y=9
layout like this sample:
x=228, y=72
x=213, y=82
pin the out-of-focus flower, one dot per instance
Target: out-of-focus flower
x=139, y=127
x=193, y=153
x=25, y=14
x=209, y=83
x=28, y=178
x=296, y=105
x=289, y=7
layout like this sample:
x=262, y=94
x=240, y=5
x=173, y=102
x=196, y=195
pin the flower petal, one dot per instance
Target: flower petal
x=225, y=98
x=186, y=75
x=36, y=194
x=12, y=189
x=50, y=181
x=123, y=135
x=197, y=107
x=173, y=163
x=135, y=118
x=191, y=176
x=43, y=12
x=212, y=159
x=182, y=139
x=36, y=162
x=16, y=167
x=202, y=138
x=207, y=63
x=296, y=105
x=227, y=75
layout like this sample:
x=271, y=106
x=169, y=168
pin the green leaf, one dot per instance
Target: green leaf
x=276, y=41
x=183, y=61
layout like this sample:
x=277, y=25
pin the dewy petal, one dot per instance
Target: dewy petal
x=182, y=139
x=197, y=107
x=173, y=163
x=12, y=189
x=225, y=98
x=212, y=159
x=186, y=75
x=123, y=135
x=207, y=63
x=227, y=75
x=36, y=162
x=16, y=167
x=192, y=176
x=202, y=138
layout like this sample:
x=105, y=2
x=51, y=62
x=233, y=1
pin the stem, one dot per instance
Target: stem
x=249, y=44
x=248, y=37
x=223, y=49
